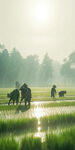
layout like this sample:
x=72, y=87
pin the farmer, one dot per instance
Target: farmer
x=53, y=91
x=14, y=95
x=25, y=94
x=23, y=90
x=61, y=93
x=28, y=96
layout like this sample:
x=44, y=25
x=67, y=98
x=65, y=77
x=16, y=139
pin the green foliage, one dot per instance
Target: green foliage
x=59, y=120
x=68, y=69
x=8, y=144
x=63, y=141
x=30, y=143
x=18, y=125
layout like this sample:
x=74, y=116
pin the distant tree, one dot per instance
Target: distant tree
x=15, y=65
x=30, y=69
x=57, y=78
x=68, y=68
x=4, y=66
x=45, y=72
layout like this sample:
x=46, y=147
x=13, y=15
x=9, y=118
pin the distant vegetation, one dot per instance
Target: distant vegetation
x=13, y=67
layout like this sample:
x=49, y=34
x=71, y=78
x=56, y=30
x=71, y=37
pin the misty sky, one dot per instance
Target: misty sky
x=38, y=26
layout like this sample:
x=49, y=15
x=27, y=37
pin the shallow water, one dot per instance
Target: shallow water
x=36, y=112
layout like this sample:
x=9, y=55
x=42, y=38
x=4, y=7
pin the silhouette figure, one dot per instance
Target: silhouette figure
x=14, y=95
x=28, y=96
x=17, y=84
x=61, y=93
x=53, y=91
x=25, y=94
x=23, y=90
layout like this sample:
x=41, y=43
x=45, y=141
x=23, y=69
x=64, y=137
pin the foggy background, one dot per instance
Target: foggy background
x=44, y=41
x=14, y=67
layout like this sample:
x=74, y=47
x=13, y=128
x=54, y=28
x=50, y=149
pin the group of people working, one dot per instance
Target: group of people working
x=25, y=94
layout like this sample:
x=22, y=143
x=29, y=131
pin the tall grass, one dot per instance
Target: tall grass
x=23, y=108
x=27, y=124
x=30, y=143
x=62, y=141
x=54, y=121
x=8, y=144
x=65, y=140
x=14, y=107
x=40, y=94
x=18, y=125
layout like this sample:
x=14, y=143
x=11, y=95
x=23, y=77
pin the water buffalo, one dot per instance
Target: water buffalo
x=14, y=95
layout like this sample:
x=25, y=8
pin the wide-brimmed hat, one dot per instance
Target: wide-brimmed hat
x=25, y=85
x=54, y=86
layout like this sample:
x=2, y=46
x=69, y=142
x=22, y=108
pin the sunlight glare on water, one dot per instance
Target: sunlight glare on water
x=38, y=112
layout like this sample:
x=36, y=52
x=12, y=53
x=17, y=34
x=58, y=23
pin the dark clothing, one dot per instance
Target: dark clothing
x=14, y=95
x=25, y=94
x=61, y=93
x=28, y=96
x=53, y=92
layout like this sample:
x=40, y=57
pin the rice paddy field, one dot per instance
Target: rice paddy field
x=49, y=123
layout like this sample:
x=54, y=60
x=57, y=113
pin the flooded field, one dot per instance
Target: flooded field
x=36, y=111
x=45, y=116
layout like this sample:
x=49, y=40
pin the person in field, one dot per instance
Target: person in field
x=25, y=94
x=28, y=96
x=61, y=93
x=14, y=95
x=23, y=89
x=53, y=91
x=17, y=84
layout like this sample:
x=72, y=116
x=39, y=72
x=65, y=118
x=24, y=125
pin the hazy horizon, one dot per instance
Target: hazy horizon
x=38, y=27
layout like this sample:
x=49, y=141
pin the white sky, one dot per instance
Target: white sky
x=33, y=31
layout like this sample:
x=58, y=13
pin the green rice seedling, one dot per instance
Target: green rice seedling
x=8, y=107
x=54, y=121
x=8, y=144
x=40, y=94
x=18, y=125
x=30, y=143
x=63, y=141
x=14, y=107
x=57, y=104
x=23, y=108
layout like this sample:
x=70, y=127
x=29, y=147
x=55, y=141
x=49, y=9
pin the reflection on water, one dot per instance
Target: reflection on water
x=40, y=134
x=38, y=121
x=38, y=112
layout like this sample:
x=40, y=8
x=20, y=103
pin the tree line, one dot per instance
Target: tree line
x=13, y=67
